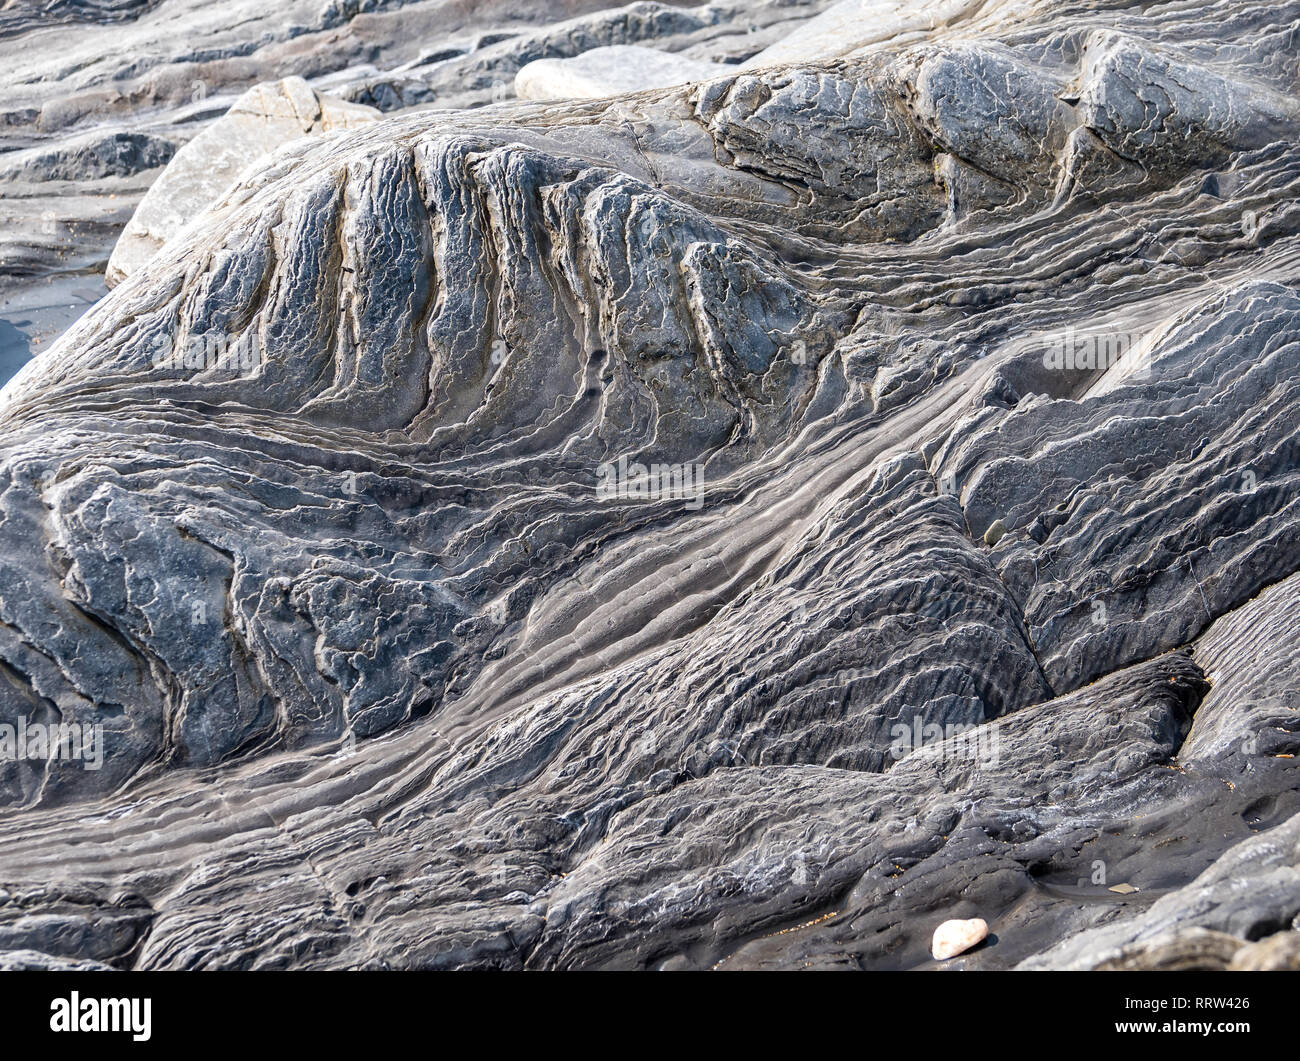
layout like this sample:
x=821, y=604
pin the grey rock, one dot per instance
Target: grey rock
x=1277, y=953
x=552, y=534
x=90, y=157
x=1146, y=104
x=1194, y=950
x=16, y=961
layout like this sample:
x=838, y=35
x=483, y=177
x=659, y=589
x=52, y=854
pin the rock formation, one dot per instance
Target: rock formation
x=260, y=121
x=744, y=523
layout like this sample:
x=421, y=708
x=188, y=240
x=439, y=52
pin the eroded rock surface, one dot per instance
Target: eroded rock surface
x=261, y=121
x=557, y=535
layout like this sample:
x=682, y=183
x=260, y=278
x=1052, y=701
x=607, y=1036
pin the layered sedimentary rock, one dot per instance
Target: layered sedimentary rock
x=262, y=120
x=96, y=96
x=743, y=524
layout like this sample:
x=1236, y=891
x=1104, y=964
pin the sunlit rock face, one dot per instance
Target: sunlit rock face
x=744, y=524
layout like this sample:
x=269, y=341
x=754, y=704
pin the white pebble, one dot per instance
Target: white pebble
x=955, y=937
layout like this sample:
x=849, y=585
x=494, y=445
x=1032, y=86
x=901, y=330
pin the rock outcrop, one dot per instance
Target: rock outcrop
x=741, y=524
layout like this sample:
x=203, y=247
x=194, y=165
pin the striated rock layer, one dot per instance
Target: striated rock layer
x=97, y=95
x=744, y=524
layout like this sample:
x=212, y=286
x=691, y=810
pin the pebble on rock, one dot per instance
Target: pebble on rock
x=956, y=937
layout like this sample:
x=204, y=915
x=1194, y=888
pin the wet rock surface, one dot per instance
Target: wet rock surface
x=745, y=523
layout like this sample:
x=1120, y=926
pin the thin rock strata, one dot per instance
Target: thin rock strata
x=745, y=523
